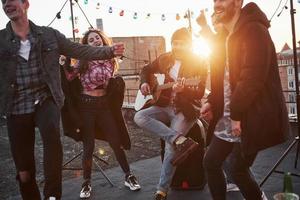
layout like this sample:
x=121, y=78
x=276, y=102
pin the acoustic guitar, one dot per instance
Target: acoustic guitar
x=143, y=101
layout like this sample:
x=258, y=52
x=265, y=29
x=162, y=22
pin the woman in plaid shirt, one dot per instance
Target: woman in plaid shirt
x=95, y=112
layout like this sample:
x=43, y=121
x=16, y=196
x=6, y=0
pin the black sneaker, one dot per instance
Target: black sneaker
x=183, y=150
x=159, y=196
x=132, y=183
x=86, y=190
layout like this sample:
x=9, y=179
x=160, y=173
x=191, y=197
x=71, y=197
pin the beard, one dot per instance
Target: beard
x=227, y=13
x=179, y=54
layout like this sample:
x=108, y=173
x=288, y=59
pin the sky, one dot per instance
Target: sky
x=43, y=11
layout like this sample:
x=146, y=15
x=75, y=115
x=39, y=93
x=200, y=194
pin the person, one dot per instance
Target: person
x=31, y=94
x=212, y=38
x=95, y=111
x=246, y=108
x=174, y=113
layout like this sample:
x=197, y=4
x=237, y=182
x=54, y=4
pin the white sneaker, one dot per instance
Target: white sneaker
x=263, y=196
x=86, y=190
x=231, y=187
x=132, y=183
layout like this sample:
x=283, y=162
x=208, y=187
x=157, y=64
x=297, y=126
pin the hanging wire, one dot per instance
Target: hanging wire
x=275, y=10
x=284, y=7
x=58, y=13
x=84, y=14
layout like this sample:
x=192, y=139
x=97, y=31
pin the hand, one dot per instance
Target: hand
x=201, y=19
x=145, y=89
x=206, y=112
x=118, y=49
x=236, y=128
x=179, y=85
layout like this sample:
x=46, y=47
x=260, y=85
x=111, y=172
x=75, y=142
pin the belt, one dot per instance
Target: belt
x=96, y=93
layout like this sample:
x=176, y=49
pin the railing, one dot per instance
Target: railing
x=291, y=104
x=129, y=98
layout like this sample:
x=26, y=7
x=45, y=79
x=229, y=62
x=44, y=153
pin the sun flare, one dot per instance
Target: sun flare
x=201, y=47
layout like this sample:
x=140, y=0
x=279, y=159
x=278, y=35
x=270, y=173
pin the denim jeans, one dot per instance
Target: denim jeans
x=95, y=112
x=215, y=156
x=156, y=119
x=21, y=132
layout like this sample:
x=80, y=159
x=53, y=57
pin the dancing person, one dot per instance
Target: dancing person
x=95, y=111
x=31, y=94
x=246, y=107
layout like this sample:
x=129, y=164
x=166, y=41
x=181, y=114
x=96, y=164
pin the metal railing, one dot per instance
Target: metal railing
x=129, y=97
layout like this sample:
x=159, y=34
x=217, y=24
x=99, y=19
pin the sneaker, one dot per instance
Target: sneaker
x=183, y=150
x=264, y=196
x=160, y=196
x=231, y=187
x=132, y=183
x=86, y=189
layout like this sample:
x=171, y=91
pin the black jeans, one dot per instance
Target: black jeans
x=21, y=132
x=215, y=156
x=95, y=112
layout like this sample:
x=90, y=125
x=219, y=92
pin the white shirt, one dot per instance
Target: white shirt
x=174, y=71
x=24, y=50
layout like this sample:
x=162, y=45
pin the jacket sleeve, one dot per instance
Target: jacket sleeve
x=80, y=51
x=254, y=69
x=148, y=71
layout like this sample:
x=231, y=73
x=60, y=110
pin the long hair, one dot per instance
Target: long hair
x=106, y=42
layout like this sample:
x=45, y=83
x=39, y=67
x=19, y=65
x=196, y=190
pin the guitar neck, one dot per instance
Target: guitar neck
x=165, y=86
x=189, y=82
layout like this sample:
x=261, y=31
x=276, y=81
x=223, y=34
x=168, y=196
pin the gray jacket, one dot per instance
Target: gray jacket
x=51, y=44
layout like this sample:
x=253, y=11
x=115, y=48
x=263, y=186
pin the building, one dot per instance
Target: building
x=287, y=75
x=139, y=51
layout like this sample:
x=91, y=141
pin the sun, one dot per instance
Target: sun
x=201, y=47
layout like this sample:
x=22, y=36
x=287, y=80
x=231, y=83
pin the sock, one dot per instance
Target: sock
x=180, y=140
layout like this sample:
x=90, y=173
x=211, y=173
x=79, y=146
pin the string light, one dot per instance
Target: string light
x=58, y=16
x=110, y=10
x=98, y=6
x=121, y=13
x=148, y=15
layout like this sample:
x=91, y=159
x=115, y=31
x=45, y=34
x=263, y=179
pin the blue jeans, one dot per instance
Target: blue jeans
x=156, y=119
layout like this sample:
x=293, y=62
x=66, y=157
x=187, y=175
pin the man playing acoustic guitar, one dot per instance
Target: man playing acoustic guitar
x=175, y=110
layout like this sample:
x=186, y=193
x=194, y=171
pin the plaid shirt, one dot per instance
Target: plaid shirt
x=30, y=90
x=97, y=74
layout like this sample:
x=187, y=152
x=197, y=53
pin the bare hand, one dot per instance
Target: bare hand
x=206, y=112
x=118, y=49
x=145, y=89
x=179, y=85
x=236, y=128
x=201, y=19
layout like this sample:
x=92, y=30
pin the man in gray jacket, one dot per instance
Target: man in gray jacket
x=31, y=94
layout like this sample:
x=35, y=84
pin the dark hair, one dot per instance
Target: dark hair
x=182, y=34
x=106, y=42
